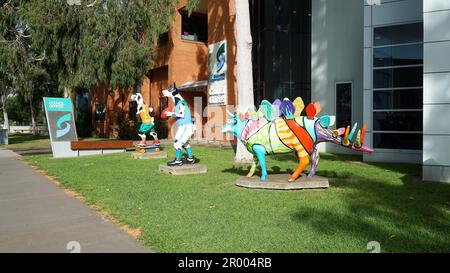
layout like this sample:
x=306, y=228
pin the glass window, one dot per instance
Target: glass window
x=194, y=27
x=343, y=104
x=399, y=34
x=397, y=121
x=398, y=55
x=398, y=77
x=398, y=99
x=400, y=48
x=397, y=141
x=281, y=31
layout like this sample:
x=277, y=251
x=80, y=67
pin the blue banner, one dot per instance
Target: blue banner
x=60, y=119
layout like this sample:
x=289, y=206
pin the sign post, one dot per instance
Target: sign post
x=61, y=126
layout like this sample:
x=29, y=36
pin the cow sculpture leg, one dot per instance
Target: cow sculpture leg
x=253, y=168
x=154, y=135
x=303, y=162
x=261, y=152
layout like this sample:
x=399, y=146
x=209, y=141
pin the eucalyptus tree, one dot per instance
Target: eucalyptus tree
x=108, y=41
x=79, y=44
x=15, y=57
x=89, y=43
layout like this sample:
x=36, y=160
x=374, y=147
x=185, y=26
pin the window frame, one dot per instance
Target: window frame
x=392, y=69
x=183, y=13
x=394, y=25
x=396, y=45
x=407, y=89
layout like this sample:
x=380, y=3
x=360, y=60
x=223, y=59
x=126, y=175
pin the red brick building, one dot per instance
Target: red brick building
x=182, y=59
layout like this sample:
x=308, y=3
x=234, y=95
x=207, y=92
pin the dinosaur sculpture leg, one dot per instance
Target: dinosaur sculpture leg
x=253, y=168
x=315, y=157
x=303, y=162
x=260, y=152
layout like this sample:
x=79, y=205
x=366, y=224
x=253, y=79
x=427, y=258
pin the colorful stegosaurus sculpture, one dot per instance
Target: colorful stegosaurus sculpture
x=279, y=128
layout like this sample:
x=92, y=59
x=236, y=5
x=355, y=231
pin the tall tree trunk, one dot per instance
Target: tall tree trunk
x=244, y=69
x=33, y=119
x=5, y=113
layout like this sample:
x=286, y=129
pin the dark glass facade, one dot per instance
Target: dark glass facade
x=281, y=31
x=343, y=105
x=398, y=87
x=398, y=34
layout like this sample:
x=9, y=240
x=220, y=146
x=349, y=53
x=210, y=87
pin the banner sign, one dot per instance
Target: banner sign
x=61, y=125
x=217, y=85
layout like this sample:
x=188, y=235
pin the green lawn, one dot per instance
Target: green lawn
x=19, y=142
x=22, y=142
x=206, y=213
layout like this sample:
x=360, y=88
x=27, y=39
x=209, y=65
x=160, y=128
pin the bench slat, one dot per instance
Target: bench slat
x=94, y=145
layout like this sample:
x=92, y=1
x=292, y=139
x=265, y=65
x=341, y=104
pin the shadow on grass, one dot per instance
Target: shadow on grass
x=21, y=138
x=274, y=160
x=243, y=170
x=388, y=203
x=403, y=217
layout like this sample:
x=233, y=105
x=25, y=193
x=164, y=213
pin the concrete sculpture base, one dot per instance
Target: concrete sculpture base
x=280, y=182
x=183, y=170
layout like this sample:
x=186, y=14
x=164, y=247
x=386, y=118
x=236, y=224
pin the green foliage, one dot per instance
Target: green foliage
x=47, y=47
x=22, y=142
x=191, y=5
x=17, y=111
x=124, y=130
x=111, y=42
x=13, y=47
x=22, y=71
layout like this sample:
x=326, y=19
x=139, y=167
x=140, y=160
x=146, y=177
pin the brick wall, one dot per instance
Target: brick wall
x=178, y=61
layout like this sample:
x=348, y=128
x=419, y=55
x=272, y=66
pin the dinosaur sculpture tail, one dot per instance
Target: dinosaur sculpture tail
x=358, y=142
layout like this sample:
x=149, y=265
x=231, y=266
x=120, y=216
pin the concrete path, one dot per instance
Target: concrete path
x=37, y=216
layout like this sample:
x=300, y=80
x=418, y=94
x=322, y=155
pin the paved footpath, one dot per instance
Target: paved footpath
x=37, y=216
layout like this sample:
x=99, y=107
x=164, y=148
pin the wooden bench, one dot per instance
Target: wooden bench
x=101, y=145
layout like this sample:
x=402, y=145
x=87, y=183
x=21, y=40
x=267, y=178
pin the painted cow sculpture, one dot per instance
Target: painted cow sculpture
x=280, y=128
x=148, y=122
